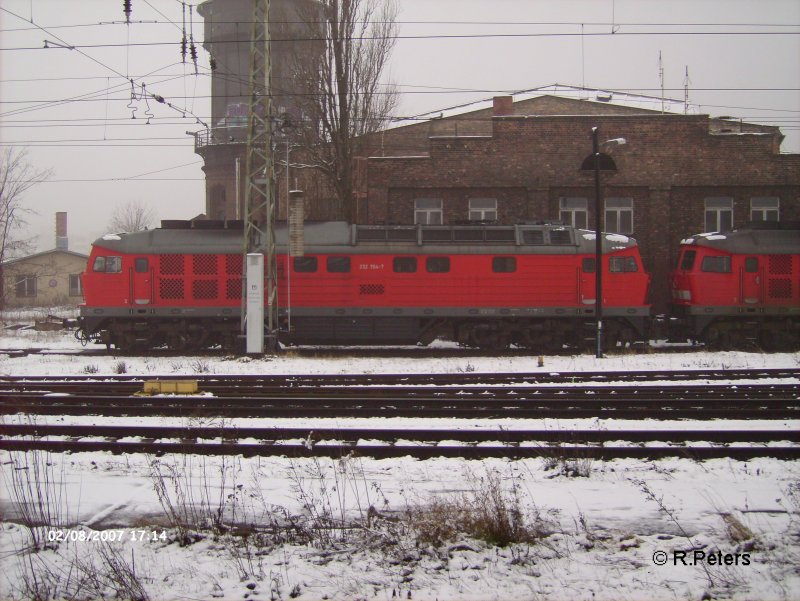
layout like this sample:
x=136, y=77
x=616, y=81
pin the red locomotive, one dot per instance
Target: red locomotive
x=739, y=288
x=487, y=286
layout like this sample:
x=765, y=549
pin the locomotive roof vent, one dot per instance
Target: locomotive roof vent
x=176, y=224
x=208, y=224
x=774, y=225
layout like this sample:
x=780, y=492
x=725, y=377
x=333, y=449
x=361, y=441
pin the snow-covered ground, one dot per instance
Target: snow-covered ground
x=623, y=529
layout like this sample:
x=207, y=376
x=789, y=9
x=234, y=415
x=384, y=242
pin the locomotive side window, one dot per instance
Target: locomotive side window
x=716, y=264
x=142, y=265
x=751, y=264
x=107, y=264
x=588, y=265
x=504, y=264
x=405, y=264
x=437, y=264
x=305, y=264
x=623, y=265
x=338, y=264
x=687, y=262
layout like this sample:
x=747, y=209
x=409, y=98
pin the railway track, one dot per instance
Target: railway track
x=219, y=383
x=420, y=443
x=465, y=396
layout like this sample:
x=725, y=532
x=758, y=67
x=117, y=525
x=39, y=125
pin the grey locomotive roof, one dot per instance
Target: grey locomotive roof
x=341, y=237
x=751, y=241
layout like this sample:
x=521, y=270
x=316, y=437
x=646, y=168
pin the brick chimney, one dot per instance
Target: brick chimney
x=503, y=106
x=62, y=242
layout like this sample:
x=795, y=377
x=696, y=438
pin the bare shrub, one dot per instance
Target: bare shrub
x=38, y=492
x=200, y=366
x=489, y=512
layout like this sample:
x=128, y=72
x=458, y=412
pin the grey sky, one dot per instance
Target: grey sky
x=739, y=62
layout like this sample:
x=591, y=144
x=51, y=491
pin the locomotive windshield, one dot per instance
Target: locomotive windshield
x=687, y=260
x=107, y=264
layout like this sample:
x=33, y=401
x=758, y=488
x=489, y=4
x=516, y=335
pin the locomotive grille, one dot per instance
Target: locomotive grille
x=371, y=289
x=204, y=289
x=233, y=265
x=171, y=265
x=233, y=287
x=779, y=288
x=204, y=265
x=780, y=264
x=170, y=288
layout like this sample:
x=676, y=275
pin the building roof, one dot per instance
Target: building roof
x=45, y=253
x=637, y=102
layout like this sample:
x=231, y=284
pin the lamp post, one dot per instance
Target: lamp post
x=598, y=250
x=594, y=162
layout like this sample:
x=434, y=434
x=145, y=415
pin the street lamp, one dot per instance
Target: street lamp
x=597, y=161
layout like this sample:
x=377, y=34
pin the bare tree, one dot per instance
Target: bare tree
x=133, y=216
x=17, y=176
x=342, y=72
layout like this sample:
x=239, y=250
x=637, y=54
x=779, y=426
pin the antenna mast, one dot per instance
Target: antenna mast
x=661, y=78
x=686, y=92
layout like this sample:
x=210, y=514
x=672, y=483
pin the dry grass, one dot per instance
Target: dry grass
x=490, y=512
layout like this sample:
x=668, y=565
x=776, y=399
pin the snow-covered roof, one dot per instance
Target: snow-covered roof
x=627, y=99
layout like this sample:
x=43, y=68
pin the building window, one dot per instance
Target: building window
x=482, y=209
x=26, y=286
x=719, y=214
x=765, y=208
x=75, y=285
x=574, y=212
x=428, y=211
x=619, y=215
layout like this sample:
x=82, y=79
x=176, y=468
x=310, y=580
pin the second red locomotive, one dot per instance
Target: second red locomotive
x=739, y=289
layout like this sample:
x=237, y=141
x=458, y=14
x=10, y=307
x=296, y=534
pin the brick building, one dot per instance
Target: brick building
x=678, y=174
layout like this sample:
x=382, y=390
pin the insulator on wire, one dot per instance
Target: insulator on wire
x=126, y=7
x=183, y=47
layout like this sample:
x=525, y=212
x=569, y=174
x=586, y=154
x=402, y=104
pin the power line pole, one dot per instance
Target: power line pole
x=259, y=230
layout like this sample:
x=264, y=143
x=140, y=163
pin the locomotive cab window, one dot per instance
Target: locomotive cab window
x=142, y=265
x=405, y=264
x=751, y=265
x=623, y=265
x=504, y=264
x=338, y=264
x=305, y=264
x=687, y=261
x=588, y=265
x=713, y=264
x=107, y=264
x=437, y=264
